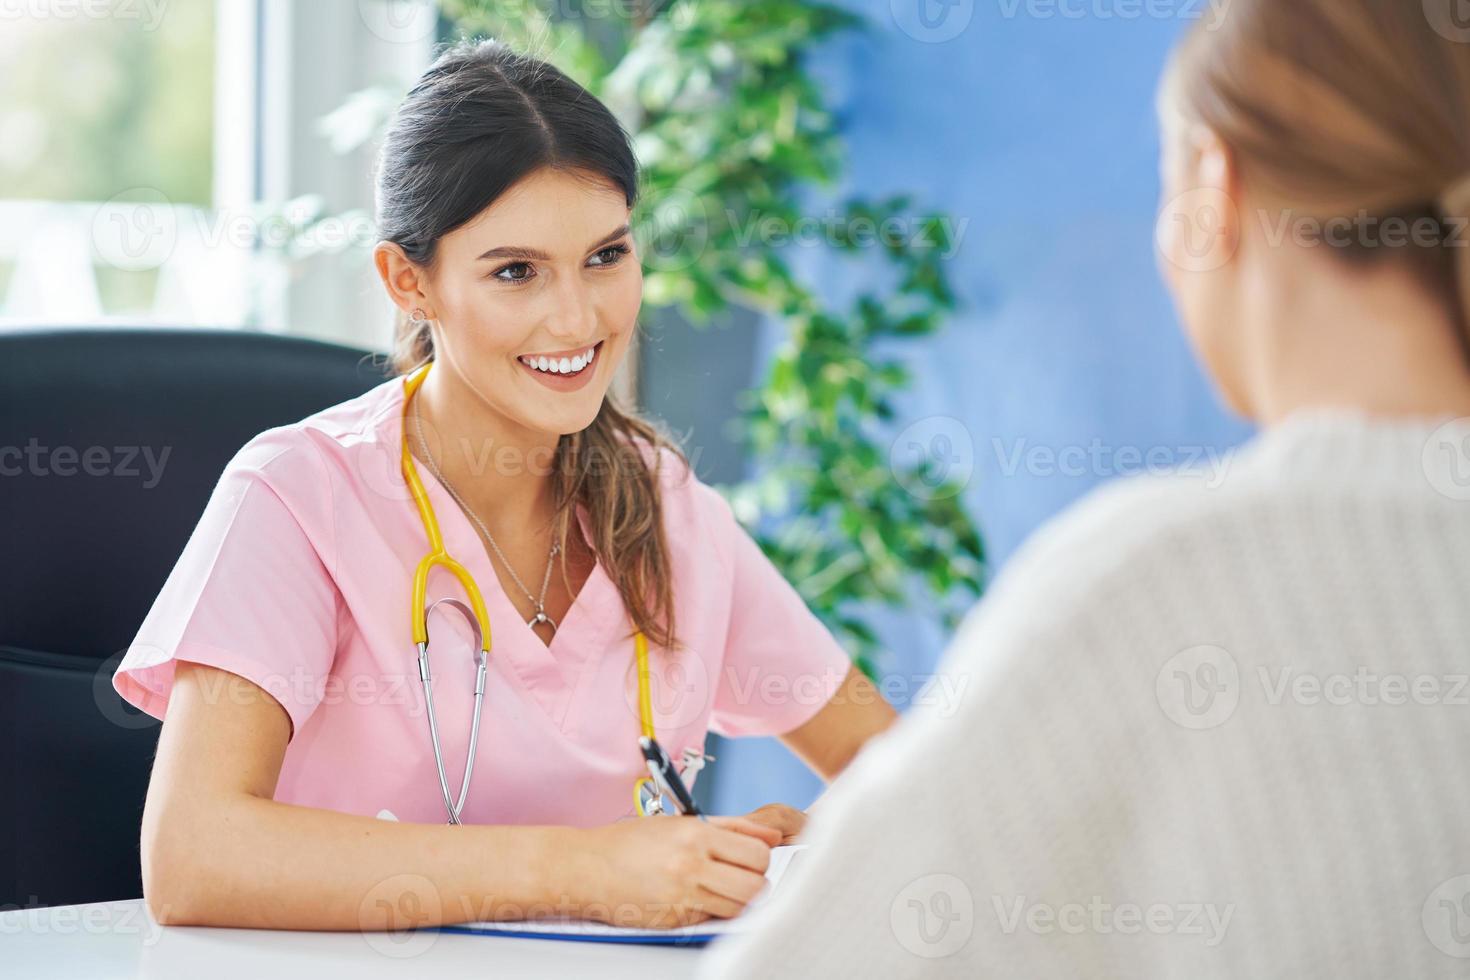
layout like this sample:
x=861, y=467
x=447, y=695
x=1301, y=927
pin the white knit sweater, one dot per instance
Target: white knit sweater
x=1208, y=729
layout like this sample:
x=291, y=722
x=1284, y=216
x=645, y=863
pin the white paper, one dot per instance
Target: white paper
x=781, y=858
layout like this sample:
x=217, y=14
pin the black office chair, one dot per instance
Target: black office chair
x=89, y=530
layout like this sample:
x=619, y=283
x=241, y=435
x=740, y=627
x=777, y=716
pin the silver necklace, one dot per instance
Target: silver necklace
x=540, y=602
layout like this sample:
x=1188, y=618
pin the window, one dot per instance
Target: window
x=107, y=116
x=164, y=163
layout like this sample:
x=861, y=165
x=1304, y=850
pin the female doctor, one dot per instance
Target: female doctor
x=297, y=783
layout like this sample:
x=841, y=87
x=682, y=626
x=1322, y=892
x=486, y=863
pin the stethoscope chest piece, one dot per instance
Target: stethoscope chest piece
x=650, y=799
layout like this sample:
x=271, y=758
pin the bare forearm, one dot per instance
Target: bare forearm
x=833, y=737
x=262, y=864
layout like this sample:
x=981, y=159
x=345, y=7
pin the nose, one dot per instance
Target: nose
x=573, y=316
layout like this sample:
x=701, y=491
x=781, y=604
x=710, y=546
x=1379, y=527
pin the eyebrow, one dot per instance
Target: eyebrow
x=522, y=253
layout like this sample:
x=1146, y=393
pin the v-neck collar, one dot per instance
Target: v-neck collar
x=550, y=674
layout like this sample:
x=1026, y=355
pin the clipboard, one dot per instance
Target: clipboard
x=585, y=931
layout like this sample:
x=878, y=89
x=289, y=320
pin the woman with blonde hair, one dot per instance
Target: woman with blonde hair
x=1221, y=731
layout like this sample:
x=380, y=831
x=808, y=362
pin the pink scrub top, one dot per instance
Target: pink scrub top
x=299, y=578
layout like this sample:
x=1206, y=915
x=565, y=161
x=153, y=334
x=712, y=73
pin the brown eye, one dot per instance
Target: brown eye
x=522, y=266
x=611, y=255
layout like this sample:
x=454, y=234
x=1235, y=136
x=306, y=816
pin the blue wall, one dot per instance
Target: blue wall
x=1039, y=132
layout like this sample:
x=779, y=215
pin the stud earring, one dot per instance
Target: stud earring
x=417, y=316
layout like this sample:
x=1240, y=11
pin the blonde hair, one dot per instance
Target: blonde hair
x=1339, y=108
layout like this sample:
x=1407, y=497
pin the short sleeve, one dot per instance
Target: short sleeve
x=252, y=593
x=781, y=664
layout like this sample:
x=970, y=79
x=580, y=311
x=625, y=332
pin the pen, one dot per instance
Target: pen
x=666, y=777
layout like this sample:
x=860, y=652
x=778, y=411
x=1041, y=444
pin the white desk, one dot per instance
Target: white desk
x=119, y=939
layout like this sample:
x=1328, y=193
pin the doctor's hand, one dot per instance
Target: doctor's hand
x=785, y=820
x=665, y=872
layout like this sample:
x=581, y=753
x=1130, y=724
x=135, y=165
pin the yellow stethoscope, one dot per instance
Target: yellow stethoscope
x=648, y=797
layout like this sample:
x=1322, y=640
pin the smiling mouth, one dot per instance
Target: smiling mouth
x=562, y=363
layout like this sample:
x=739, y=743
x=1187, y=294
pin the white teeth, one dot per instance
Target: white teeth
x=560, y=365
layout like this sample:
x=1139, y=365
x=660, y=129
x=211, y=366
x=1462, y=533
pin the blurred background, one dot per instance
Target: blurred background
x=901, y=299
